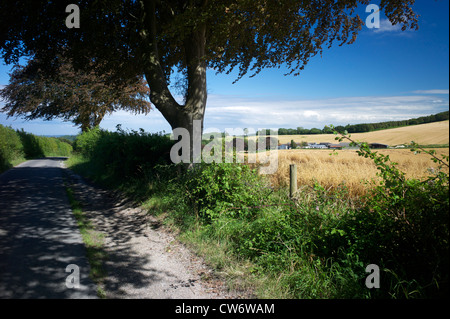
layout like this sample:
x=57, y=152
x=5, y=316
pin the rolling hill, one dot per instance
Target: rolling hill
x=425, y=134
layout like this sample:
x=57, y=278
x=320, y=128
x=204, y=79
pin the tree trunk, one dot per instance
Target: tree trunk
x=178, y=116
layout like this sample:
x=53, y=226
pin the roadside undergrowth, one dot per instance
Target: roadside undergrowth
x=314, y=245
x=94, y=243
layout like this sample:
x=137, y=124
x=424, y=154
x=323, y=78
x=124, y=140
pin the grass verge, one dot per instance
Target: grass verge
x=237, y=273
x=93, y=241
x=315, y=244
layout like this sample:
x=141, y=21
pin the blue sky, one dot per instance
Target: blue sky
x=385, y=75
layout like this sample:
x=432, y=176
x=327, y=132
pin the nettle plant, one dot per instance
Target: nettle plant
x=226, y=188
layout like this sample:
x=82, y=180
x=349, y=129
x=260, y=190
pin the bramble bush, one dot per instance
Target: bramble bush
x=225, y=188
x=401, y=225
x=404, y=227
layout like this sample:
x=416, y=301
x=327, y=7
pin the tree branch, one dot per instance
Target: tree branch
x=160, y=94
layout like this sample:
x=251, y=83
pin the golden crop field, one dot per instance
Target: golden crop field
x=425, y=134
x=347, y=167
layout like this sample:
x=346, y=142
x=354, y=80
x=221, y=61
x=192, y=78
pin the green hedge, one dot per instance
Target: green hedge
x=120, y=155
x=40, y=146
x=15, y=145
x=11, y=147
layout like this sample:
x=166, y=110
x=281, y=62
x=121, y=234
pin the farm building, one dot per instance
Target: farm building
x=284, y=146
x=315, y=145
x=335, y=146
x=378, y=145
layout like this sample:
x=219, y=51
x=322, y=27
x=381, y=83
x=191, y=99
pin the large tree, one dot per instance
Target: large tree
x=83, y=97
x=156, y=37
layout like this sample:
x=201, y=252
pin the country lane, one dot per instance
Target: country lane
x=39, y=237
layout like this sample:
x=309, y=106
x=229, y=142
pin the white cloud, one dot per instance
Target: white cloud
x=431, y=92
x=387, y=26
x=226, y=111
x=311, y=114
x=388, y=29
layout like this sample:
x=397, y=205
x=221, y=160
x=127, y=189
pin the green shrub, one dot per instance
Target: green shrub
x=404, y=228
x=86, y=142
x=415, y=217
x=11, y=147
x=16, y=145
x=40, y=146
x=225, y=189
x=122, y=155
x=31, y=146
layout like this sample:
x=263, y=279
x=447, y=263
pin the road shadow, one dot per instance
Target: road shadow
x=117, y=217
x=55, y=158
x=39, y=237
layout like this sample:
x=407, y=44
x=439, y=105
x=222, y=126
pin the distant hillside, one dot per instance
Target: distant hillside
x=367, y=127
x=425, y=134
x=67, y=137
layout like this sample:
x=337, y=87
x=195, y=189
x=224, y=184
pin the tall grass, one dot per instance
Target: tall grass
x=94, y=241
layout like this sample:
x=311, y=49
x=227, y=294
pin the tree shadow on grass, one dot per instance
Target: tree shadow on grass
x=127, y=270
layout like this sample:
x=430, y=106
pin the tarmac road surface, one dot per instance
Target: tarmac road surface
x=39, y=237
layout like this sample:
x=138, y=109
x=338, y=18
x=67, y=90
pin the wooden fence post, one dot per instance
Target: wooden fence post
x=293, y=179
